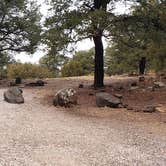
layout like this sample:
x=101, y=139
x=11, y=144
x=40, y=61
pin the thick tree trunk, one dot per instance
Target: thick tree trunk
x=142, y=65
x=99, y=62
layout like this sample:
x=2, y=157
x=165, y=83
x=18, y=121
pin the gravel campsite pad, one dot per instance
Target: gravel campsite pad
x=38, y=134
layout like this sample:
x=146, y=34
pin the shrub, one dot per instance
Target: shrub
x=73, y=68
x=27, y=70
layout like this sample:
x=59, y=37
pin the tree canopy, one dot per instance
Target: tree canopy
x=19, y=25
x=142, y=34
x=54, y=63
x=82, y=63
x=5, y=59
x=72, y=21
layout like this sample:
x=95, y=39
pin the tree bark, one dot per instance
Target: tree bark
x=142, y=65
x=99, y=62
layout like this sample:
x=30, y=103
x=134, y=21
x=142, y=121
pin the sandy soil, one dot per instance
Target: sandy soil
x=38, y=134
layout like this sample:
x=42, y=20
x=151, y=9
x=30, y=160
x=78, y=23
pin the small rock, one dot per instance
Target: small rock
x=149, y=109
x=12, y=84
x=102, y=90
x=134, y=84
x=159, y=85
x=125, y=105
x=14, y=95
x=133, y=88
x=150, y=88
x=132, y=74
x=65, y=97
x=141, y=79
x=91, y=94
x=40, y=83
x=81, y=86
x=21, y=86
x=120, y=106
x=120, y=96
x=129, y=108
x=105, y=99
x=160, y=109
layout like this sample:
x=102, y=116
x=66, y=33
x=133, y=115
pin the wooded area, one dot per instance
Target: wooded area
x=139, y=34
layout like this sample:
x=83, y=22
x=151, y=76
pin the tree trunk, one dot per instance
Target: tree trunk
x=142, y=65
x=99, y=62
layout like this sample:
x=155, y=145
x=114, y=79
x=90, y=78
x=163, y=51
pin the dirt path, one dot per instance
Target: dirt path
x=32, y=134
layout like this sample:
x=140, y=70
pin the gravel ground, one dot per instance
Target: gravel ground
x=33, y=134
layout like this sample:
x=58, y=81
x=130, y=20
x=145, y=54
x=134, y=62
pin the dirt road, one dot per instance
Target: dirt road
x=33, y=134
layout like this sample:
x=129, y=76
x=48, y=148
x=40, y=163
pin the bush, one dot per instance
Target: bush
x=27, y=70
x=73, y=68
x=86, y=59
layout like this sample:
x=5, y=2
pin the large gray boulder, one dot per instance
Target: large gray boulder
x=14, y=95
x=105, y=99
x=65, y=97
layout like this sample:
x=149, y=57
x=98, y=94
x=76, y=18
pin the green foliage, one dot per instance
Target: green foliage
x=157, y=56
x=27, y=70
x=120, y=59
x=5, y=59
x=142, y=33
x=53, y=63
x=73, y=21
x=81, y=64
x=86, y=59
x=19, y=25
x=73, y=68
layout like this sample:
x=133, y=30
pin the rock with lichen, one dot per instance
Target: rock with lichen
x=65, y=97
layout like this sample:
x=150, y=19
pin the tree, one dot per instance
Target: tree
x=73, y=68
x=19, y=25
x=82, y=63
x=86, y=59
x=120, y=59
x=143, y=32
x=5, y=59
x=73, y=21
x=54, y=63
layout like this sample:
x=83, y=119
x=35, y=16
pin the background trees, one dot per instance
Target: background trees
x=5, y=59
x=82, y=63
x=53, y=63
x=121, y=59
x=72, y=68
x=86, y=59
x=19, y=29
x=27, y=70
x=140, y=34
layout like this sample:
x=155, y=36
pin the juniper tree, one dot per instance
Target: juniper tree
x=73, y=21
x=19, y=25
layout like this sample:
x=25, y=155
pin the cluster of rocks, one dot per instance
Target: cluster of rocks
x=14, y=94
x=68, y=97
x=147, y=108
x=18, y=81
